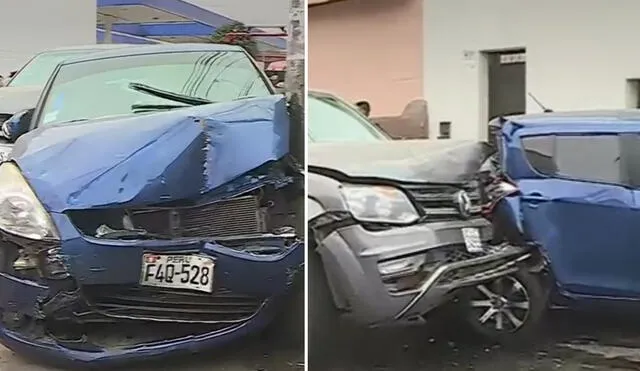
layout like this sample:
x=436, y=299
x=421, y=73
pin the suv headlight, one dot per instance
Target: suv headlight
x=21, y=213
x=379, y=204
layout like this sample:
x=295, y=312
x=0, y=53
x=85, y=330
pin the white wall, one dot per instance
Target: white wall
x=579, y=54
x=29, y=26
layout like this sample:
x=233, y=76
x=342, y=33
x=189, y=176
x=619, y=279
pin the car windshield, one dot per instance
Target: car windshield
x=37, y=71
x=133, y=84
x=331, y=120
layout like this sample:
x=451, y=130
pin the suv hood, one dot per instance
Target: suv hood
x=152, y=158
x=441, y=161
x=14, y=99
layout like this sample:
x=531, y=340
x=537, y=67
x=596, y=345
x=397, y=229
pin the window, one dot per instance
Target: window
x=586, y=157
x=331, y=120
x=40, y=68
x=444, y=130
x=100, y=88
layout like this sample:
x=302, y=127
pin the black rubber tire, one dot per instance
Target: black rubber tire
x=323, y=334
x=538, y=293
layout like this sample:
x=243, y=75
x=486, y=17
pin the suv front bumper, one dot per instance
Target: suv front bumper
x=351, y=254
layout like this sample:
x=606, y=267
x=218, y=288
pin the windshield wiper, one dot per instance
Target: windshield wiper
x=69, y=121
x=176, y=97
x=156, y=107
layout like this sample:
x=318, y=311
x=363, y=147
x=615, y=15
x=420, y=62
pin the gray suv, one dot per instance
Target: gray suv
x=395, y=225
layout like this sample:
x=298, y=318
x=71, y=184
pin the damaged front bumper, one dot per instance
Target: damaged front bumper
x=352, y=256
x=98, y=313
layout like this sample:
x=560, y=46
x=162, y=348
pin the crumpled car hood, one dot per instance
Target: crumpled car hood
x=152, y=158
x=442, y=161
x=14, y=99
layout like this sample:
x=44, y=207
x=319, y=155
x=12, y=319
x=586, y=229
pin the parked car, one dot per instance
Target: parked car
x=133, y=223
x=25, y=85
x=334, y=120
x=566, y=186
x=395, y=228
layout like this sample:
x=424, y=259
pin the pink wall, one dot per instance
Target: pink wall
x=368, y=49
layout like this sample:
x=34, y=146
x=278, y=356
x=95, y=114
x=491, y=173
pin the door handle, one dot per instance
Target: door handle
x=534, y=199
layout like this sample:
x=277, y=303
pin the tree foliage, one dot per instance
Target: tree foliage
x=236, y=33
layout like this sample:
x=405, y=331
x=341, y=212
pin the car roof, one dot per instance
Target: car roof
x=153, y=49
x=586, y=116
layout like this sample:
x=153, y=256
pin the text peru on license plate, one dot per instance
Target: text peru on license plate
x=472, y=239
x=189, y=272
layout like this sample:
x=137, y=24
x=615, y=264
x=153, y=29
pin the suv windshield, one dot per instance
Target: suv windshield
x=331, y=120
x=141, y=83
x=37, y=71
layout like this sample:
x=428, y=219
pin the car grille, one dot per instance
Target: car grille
x=458, y=253
x=154, y=304
x=439, y=201
x=236, y=216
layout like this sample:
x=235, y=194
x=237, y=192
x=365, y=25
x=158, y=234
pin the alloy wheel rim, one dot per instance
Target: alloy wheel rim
x=502, y=305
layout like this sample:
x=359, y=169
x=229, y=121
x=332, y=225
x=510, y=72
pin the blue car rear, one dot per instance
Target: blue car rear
x=567, y=186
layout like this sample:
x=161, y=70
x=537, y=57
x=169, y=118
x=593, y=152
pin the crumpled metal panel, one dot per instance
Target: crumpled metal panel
x=152, y=158
x=450, y=161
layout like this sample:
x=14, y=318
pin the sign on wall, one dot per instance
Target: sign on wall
x=513, y=58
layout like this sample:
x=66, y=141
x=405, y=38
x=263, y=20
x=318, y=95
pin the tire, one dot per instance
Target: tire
x=323, y=315
x=508, y=310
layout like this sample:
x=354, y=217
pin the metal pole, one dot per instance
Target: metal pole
x=294, y=78
x=295, y=91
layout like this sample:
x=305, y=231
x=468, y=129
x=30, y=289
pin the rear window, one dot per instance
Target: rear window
x=584, y=157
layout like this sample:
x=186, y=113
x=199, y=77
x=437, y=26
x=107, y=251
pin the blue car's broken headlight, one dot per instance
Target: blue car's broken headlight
x=21, y=213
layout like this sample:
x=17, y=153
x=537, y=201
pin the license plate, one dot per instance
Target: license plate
x=472, y=240
x=187, y=272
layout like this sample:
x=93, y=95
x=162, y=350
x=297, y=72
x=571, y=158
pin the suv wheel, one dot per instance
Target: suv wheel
x=508, y=308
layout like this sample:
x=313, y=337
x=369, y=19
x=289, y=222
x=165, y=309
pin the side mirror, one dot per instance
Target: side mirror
x=17, y=125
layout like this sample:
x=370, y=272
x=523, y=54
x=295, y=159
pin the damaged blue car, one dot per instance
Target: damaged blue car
x=566, y=186
x=146, y=207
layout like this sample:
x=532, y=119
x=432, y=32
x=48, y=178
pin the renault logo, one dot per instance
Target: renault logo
x=463, y=203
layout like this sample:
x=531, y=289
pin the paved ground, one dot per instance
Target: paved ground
x=571, y=342
x=257, y=354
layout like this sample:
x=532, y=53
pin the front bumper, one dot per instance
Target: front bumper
x=351, y=255
x=28, y=304
x=48, y=349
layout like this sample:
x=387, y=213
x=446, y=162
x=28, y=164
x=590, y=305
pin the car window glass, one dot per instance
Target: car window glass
x=330, y=120
x=585, y=157
x=38, y=70
x=100, y=88
x=539, y=151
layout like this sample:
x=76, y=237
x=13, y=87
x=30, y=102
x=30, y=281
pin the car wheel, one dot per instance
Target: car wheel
x=507, y=309
x=323, y=315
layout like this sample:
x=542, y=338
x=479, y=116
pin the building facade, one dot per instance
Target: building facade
x=473, y=60
x=483, y=58
x=367, y=50
x=30, y=26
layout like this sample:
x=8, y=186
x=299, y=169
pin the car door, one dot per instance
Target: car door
x=577, y=204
